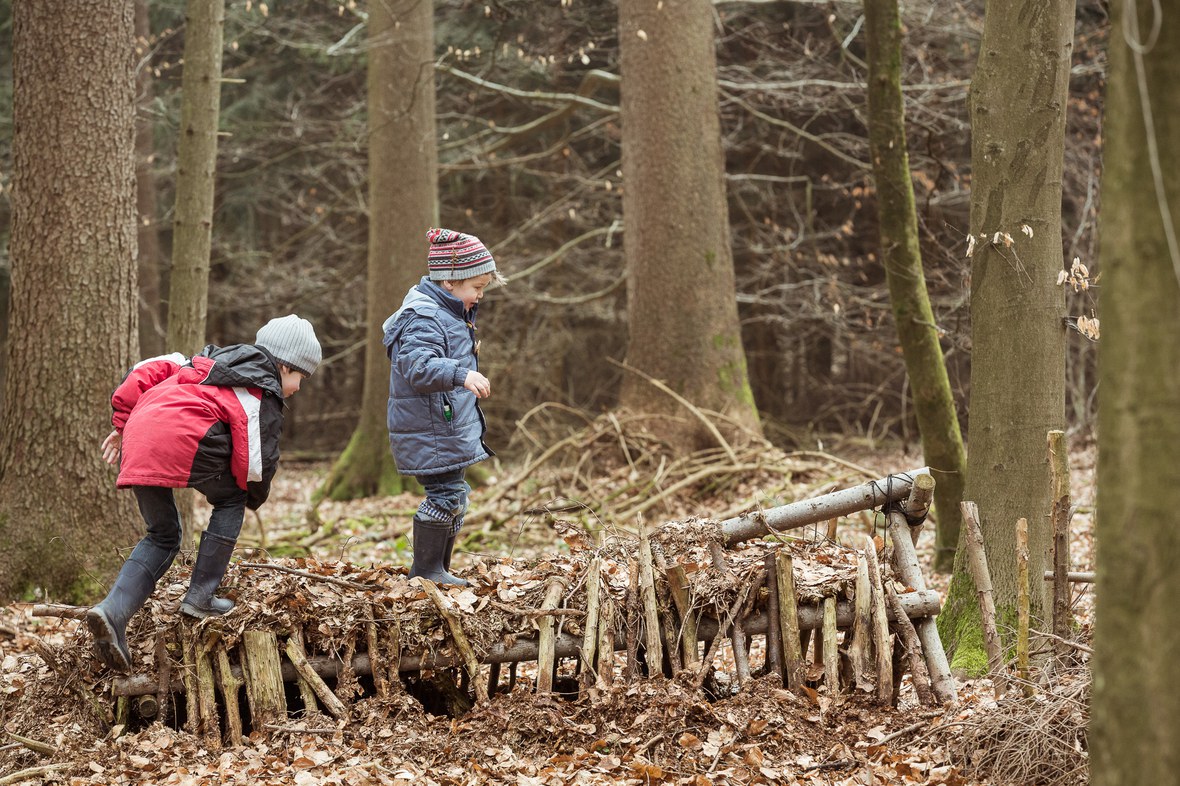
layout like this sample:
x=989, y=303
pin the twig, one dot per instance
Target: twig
x=1068, y=642
x=32, y=772
x=306, y=575
x=560, y=612
x=34, y=745
x=60, y=610
x=460, y=640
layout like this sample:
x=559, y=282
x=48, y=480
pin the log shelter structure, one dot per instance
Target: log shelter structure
x=714, y=604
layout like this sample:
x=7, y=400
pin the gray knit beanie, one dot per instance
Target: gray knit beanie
x=293, y=343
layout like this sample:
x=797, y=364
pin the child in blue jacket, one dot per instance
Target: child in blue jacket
x=436, y=427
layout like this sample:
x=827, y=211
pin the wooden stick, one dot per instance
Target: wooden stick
x=679, y=588
x=546, y=641
x=590, y=634
x=881, y=643
x=860, y=652
x=460, y=639
x=977, y=563
x=33, y=772
x=1022, y=606
x=307, y=675
x=632, y=621
x=913, y=648
x=307, y=693
x=1075, y=576
x=774, y=634
x=906, y=567
x=263, y=674
x=652, y=646
x=229, y=683
x=1059, y=474
x=305, y=574
x=36, y=746
x=789, y=619
x=380, y=680
x=210, y=727
x=60, y=610
x=831, y=652
x=606, y=640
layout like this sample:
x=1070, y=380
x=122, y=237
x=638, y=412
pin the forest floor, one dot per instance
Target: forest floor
x=648, y=731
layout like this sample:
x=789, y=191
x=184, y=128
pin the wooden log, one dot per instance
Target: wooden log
x=460, y=639
x=774, y=634
x=192, y=700
x=882, y=646
x=679, y=588
x=905, y=565
x=977, y=564
x=163, y=675
x=373, y=642
x=1059, y=482
x=263, y=674
x=308, y=676
x=875, y=493
x=652, y=646
x=908, y=638
x=230, y=683
x=860, y=651
x=590, y=634
x=831, y=648
x=606, y=641
x=210, y=727
x=789, y=620
x=809, y=616
x=741, y=653
x=917, y=504
x=547, y=637
x=307, y=693
x=632, y=621
x=1022, y=606
x=1075, y=576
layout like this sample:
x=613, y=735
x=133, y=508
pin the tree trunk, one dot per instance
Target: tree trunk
x=1018, y=100
x=681, y=303
x=403, y=204
x=196, y=170
x=942, y=442
x=151, y=320
x=73, y=318
x=1136, y=704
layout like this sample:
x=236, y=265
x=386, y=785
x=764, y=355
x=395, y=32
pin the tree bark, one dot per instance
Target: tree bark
x=151, y=319
x=930, y=387
x=73, y=298
x=403, y=204
x=1136, y=703
x=681, y=304
x=1018, y=101
x=196, y=172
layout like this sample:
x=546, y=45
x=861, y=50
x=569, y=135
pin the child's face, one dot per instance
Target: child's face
x=291, y=380
x=469, y=290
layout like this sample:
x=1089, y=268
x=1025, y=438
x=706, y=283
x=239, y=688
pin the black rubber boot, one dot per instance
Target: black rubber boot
x=212, y=559
x=432, y=542
x=450, y=547
x=108, y=620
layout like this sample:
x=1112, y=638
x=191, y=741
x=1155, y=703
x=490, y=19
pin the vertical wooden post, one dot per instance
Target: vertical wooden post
x=831, y=652
x=881, y=641
x=788, y=611
x=590, y=630
x=1022, y=606
x=376, y=662
x=230, y=685
x=263, y=674
x=306, y=693
x=860, y=651
x=678, y=586
x=1062, y=500
x=606, y=639
x=774, y=637
x=977, y=563
x=547, y=637
x=652, y=645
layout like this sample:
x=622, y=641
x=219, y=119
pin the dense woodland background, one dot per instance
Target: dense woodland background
x=530, y=162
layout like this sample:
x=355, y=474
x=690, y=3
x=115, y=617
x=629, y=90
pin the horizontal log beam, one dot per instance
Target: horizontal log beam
x=875, y=493
x=1075, y=576
x=915, y=604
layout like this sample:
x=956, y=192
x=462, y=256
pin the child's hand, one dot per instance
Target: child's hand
x=111, y=447
x=478, y=384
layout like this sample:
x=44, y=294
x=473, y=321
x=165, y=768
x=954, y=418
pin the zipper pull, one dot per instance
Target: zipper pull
x=448, y=413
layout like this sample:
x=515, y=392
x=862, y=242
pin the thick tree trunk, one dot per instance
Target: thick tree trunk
x=1136, y=705
x=942, y=442
x=1018, y=101
x=196, y=171
x=680, y=288
x=403, y=204
x=73, y=318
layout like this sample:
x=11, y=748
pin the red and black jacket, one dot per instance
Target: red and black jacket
x=185, y=422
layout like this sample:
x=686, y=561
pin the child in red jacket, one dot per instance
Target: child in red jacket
x=211, y=423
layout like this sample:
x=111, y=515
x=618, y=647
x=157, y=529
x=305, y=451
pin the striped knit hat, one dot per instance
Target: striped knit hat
x=454, y=256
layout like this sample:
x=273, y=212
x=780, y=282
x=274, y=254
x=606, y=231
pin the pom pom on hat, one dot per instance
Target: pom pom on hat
x=293, y=343
x=454, y=256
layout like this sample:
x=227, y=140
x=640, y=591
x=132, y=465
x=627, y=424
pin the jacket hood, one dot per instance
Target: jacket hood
x=243, y=365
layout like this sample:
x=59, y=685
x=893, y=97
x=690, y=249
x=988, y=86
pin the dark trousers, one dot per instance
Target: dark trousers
x=446, y=497
x=157, y=505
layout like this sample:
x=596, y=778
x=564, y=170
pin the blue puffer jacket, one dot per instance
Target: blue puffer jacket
x=435, y=424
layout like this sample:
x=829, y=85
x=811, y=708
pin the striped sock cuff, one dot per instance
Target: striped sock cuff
x=431, y=512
